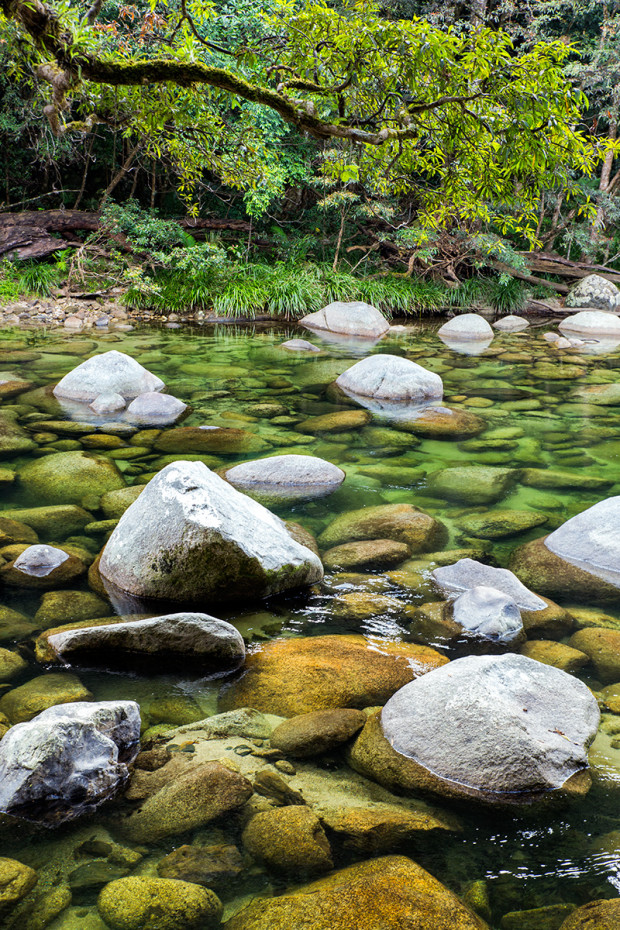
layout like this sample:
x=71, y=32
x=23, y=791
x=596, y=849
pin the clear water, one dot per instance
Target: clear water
x=520, y=385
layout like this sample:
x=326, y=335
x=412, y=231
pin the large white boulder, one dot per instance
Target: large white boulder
x=110, y=373
x=287, y=477
x=390, y=377
x=488, y=613
x=154, y=409
x=468, y=573
x=68, y=759
x=592, y=323
x=511, y=323
x=351, y=319
x=594, y=293
x=495, y=726
x=591, y=541
x=467, y=326
x=190, y=535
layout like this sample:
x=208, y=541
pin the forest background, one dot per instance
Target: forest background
x=252, y=157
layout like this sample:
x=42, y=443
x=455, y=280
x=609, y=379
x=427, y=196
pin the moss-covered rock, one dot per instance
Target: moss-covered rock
x=312, y=734
x=24, y=703
x=552, y=622
x=13, y=531
x=59, y=607
x=362, y=605
x=16, y=880
x=557, y=654
x=366, y=554
x=13, y=439
x=546, y=573
x=549, y=917
x=445, y=423
x=499, y=524
x=392, y=892
x=340, y=422
x=400, y=522
x=213, y=866
x=53, y=522
x=472, y=484
x=562, y=480
x=11, y=664
x=298, y=675
x=596, y=915
x=115, y=503
x=69, y=478
x=222, y=441
x=135, y=902
x=602, y=647
x=14, y=626
x=290, y=840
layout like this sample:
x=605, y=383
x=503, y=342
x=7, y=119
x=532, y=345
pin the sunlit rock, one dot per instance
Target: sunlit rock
x=110, y=373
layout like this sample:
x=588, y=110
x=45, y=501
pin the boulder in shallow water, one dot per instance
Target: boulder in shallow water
x=16, y=880
x=308, y=735
x=602, y=647
x=110, y=373
x=488, y=613
x=69, y=478
x=595, y=915
x=190, y=535
x=67, y=760
x=199, y=439
x=511, y=323
x=593, y=323
x=467, y=326
x=289, y=839
x=468, y=573
x=472, y=484
x=39, y=694
x=42, y=566
x=390, y=892
x=108, y=403
x=437, y=422
x=351, y=319
x=286, y=477
x=591, y=541
x=391, y=377
x=299, y=345
x=137, y=902
x=499, y=730
x=401, y=522
x=185, y=639
x=153, y=409
x=595, y=293
x=539, y=568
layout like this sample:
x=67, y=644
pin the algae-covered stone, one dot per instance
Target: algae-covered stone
x=53, y=522
x=603, y=650
x=16, y=881
x=390, y=892
x=42, y=566
x=28, y=700
x=312, y=734
x=299, y=675
x=290, y=840
x=58, y=607
x=14, y=440
x=219, y=440
x=596, y=915
x=69, y=478
x=193, y=797
x=214, y=542
x=115, y=503
x=562, y=480
x=340, y=422
x=361, y=605
x=13, y=531
x=472, y=484
x=401, y=522
x=549, y=917
x=444, y=423
x=14, y=625
x=557, y=654
x=551, y=622
x=136, y=902
x=499, y=524
x=539, y=568
x=213, y=866
x=372, y=553
x=176, y=710
x=11, y=665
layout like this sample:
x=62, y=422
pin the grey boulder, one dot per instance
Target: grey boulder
x=488, y=613
x=153, y=409
x=40, y=560
x=350, y=319
x=108, y=403
x=110, y=373
x=594, y=293
x=190, y=535
x=466, y=326
x=511, y=324
x=468, y=573
x=494, y=726
x=592, y=323
x=183, y=639
x=286, y=477
x=68, y=760
x=591, y=541
x=391, y=378
x=299, y=345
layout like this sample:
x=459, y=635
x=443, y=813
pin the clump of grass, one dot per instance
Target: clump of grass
x=502, y=293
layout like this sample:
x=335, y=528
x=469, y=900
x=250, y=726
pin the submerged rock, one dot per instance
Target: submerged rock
x=110, y=373
x=400, y=522
x=365, y=554
x=499, y=730
x=352, y=319
x=591, y=323
x=468, y=573
x=13, y=439
x=557, y=654
x=488, y=613
x=39, y=694
x=302, y=674
x=498, y=524
x=190, y=535
x=42, y=566
x=308, y=735
x=435, y=422
x=390, y=892
x=69, y=478
x=594, y=292
x=68, y=760
x=197, y=439
x=184, y=639
x=602, y=647
x=537, y=567
x=16, y=881
x=137, y=902
x=391, y=377
x=595, y=915
x=115, y=503
x=213, y=866
x=299, y=345
x=56, y=522
x=290, y=840
x=472, y=484
x=340, y=422
x=467, y=326
x=286, y=477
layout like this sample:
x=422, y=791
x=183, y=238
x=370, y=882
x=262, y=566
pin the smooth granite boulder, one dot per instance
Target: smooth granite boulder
x=351, y=319
x=185, y=640
x=595, y=293
x=391, y=378
x=299, y=345
x=468, y=573
x=67, y=760
x=400, y=522
x=511, y=324
x=108, y=403
x=496, y=729
x=467, y=326
x=153, y=409
x=488, y=613
x=282, y=478
x=191, y=535
x=593, y=323
x=110, y=373
x=42, y=566
x=591, y=541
